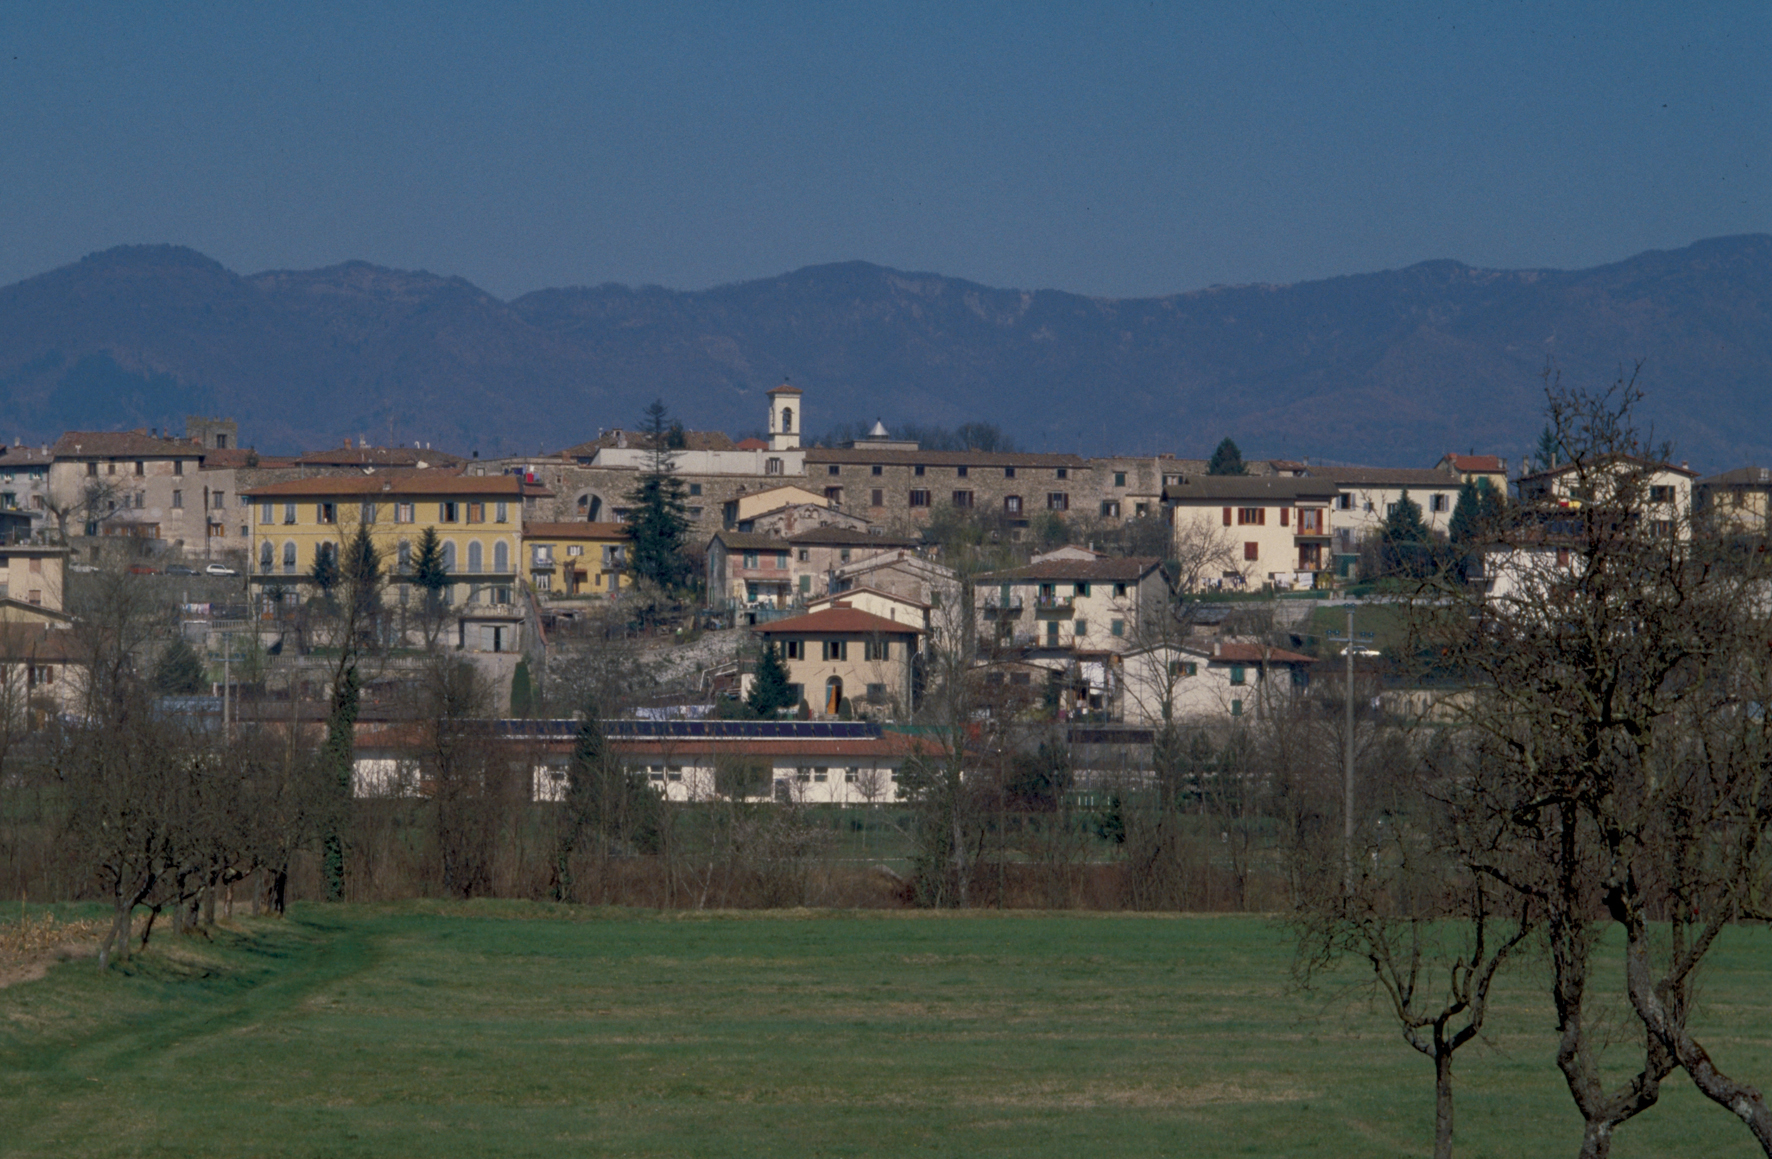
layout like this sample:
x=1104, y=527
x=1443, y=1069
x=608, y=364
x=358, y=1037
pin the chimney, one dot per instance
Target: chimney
x=1216, y=647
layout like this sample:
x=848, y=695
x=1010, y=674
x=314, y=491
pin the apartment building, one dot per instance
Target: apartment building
x=1242, y=530
x=1737, y=502
x=841, y=653
x=136, y=484
x=24, y=480
x=1659, y=492
x=576, y=559
x=1219, y=680
x=1367, y=496
x=1061, y=604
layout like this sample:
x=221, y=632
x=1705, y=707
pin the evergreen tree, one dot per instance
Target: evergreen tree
x=428, y=571
x=1544, y=456
x=1466, y=515
x=179, y=671
x=770, y=691
x=1491, y=504
x=659, y=520
x=324, y=574
x=1407, y=543
x=1227, y=460
x=522, y=691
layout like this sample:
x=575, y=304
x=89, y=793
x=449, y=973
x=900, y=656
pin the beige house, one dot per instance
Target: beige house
x=575, y=559
x=1367, y=496
x=34, y=574
x=1660, y=492
x=887, y=605
x=1069, y=602
x=1242, y=530
x=129, y=483
x=741, y=509
x=1223, y=680
x=761, y=569
x=43, y=672
x=1476, y=469
x=840, y=653
x=1737, y=502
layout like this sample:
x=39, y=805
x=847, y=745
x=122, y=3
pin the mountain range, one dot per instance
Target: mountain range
x=1393, y=368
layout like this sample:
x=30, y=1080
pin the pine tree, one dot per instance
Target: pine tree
x=180, y=669
x=770, y=691
x=428, y=571
x=1544, y=457
x=324, y=574
x=1466, y=515
x=1227, y=460
x=659, y=520
x=1408, y=545
x=1491, y=504
x=522, y=691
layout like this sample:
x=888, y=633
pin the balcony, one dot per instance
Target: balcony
x=1045, y=605
x=997, y=608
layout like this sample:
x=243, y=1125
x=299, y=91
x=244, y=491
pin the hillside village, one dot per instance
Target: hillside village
x=1106, y=595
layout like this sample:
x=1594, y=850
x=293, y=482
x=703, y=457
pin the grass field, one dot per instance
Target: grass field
x=508, y=1029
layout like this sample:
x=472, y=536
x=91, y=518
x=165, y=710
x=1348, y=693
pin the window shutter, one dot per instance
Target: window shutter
x=1284, y=516
x=1227, y=516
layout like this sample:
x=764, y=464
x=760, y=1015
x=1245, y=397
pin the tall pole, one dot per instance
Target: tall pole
x=227, y=683
x=1347, y=771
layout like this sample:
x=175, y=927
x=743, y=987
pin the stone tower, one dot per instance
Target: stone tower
x=786, y=418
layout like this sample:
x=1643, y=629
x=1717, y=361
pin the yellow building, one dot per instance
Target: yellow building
x=478, y=520
x=576, y=559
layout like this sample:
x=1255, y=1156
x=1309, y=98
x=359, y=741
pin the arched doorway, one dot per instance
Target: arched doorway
x=833, y=695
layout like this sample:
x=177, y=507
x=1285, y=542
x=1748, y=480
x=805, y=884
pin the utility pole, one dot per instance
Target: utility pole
x=1347, y=772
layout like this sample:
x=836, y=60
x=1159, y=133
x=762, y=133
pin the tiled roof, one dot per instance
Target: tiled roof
x=1740, y=477
x=378, y=457
x=944, y=458
x=1254, y=488
x=750, y=541
x=576, y=530
x=40, y=642
x=850, y=537
x=859, y=589
x=439, y=481
x=124, y=444
x=1645, y=464
x=33, y=456
x=836, y=619
x=787, y=388
x=1478, y=464
x=1384, y=476
x=1128, y=569
x=1237, y=653
x=236, y=458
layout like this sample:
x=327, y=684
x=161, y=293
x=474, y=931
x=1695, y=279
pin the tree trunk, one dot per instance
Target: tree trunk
x=1443, y=1103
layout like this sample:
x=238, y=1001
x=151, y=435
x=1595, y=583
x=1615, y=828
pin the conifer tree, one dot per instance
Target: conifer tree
x=1226, y=460
x=1466, y=515
x=324, y=574
x=659, y=521
x=180, y=669
x=1407, y=543
x=770, y=691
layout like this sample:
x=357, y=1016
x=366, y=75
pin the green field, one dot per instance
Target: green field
x=511, y=1029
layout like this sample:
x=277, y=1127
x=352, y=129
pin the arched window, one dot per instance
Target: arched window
x=289, y=558
x=787, y=419
x=475, y=557
x=448, y=557
x=267, y=558
x=501, y=557
x=404, y=554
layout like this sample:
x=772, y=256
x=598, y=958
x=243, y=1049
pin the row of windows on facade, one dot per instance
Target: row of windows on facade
x=965, y=472
x=1311, y=520
x=501, y=557
x=1012, y=504
x=141, y=467
x=835, y=649
x=1079, y=629
x=447, y=512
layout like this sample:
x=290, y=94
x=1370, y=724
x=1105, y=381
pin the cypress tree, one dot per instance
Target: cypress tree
x=659, y=519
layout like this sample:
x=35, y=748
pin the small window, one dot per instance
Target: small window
x=1344, y=502
x=449, y=513
x=1063, y=473
x=1008, y=472
x=1437, y=503
x=1247, y=516
x=575, y=549
x=805, y=554
x=366, y=512
x=781, y=561
x=877, y=498
x=1116, y=627
x=1082, y=628
x=836, y=650
x=476, y=513
x=1012, y=504
x=1236, y=708
x=879, y=470
x=178, y=500
x=1251, y=551
x=960, y=472
x=919, y=499
x=1239, y=674
x=326, y=513
x=1110, y=508
x=793, y=649
x=917, y=470
x=140, y=467
x=178, y=466
x=749, y=559
x=1658, y=495
x=695, y=488
x=1120, y=591
x=834, y=469
x=1082, y=589
x=805, y=585
x=962, y=498
x=502, y=513
x=1058, y=501
x=1119, y=478
x=405, y=513
x=289, y=513
x=834, y=496
x=878, y=650
x=772, y=467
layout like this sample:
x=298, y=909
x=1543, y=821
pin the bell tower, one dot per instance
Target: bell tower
x=786, y=418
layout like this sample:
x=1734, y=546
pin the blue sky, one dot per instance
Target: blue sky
x=1114, y=149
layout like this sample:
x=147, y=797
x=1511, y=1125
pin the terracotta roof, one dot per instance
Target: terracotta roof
x=1565, y=468
x=787, y=388
x=1740, y=477
x=36, y=455
x=750, y=541
x=1236, y=653
x=1385, y=476
x=123, y=445
x=860, y=588
x=40, y=642
x=377, y=457
x=862, y=455
x=440, y=481
x=836, y=619
x=850, y=537
x=576, y=530
x=1485, y=464
x=752, y=445
x=1128, y=569
x=235, y=458
x=1255, y=488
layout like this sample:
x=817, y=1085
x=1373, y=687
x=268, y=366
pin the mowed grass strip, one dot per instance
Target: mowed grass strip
x=509, y=1029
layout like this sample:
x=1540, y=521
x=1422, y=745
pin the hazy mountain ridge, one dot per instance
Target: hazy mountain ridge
x=1393, y=367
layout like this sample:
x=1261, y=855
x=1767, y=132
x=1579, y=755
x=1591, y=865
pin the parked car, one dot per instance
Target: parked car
x=219, y=569
x=143, y=569
x=83, y=568
x=180, y=569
